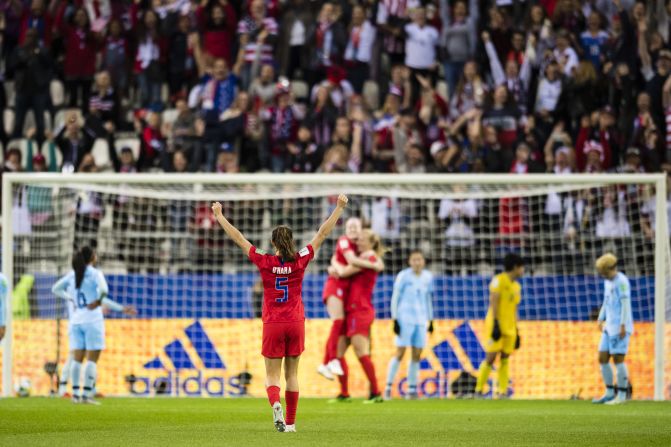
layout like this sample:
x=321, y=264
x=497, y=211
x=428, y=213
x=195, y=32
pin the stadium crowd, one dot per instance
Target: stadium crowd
x=340, y=86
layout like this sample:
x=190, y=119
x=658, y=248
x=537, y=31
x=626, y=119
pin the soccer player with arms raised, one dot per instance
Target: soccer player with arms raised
x=412, y=312
x=505, y=294
x=359, y=310
x=616, y=324
x=283, y=313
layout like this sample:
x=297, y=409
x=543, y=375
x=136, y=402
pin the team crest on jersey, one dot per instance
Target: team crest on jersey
x=304, y=252
x=339, y=292
x=261, y=252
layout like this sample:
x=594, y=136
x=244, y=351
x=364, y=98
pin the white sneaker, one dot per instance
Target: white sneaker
x=90, y=401
x=335, y=367
x=326, y=372
x=76, y=399
x=290, y=428
x=387, y=394
x=620, y=399
x=278, y=417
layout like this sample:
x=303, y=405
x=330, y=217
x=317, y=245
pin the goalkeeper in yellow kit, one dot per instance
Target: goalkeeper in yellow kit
x=505, y=294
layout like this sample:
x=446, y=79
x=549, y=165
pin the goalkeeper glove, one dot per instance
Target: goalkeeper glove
x=496, y=332
x=430, y=327
x=397, y=327
x=518, y=341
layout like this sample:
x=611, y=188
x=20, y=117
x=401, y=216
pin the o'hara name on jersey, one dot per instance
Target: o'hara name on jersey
x=282, y=270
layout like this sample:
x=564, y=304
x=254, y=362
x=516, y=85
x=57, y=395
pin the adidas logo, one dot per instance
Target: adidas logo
x=463, y=353
x=184, y=377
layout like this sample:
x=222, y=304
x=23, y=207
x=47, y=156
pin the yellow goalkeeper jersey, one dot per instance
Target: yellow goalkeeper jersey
x=510, y=293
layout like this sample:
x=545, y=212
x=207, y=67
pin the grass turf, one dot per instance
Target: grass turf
x=136, y=422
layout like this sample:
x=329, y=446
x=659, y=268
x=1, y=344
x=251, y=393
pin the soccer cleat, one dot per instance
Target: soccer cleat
x=340, y=400
x=387, y=394
x=480, y=395
x=620, y=399
x=76, y=399
x=290, y=428
x=278, y=417
x=89, y=401
x=65, y=395
x=335, y=367
x=326, y=372
x=604, y=399
x=374, y=399
x=502, y=396
x=413, y=395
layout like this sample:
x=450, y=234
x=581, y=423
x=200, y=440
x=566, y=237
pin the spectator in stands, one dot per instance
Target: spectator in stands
x=104, y=107
x=293, y=39
x=411, y=160
x=504, y=116
x=421, y=42
x=153, y=144
x=322, y=116
x=74, y=142
x=549, y=91
x=458, y=38
x=38, y=19
x=470, y=91
x=392, y=16
x=149, y=57
x=181, y=59
x=262, y=88
x=12, y=160
x=218, y=23
x=125, y=162
x=183, y=129
x=81, y=47
x=304, y=155
x=282, y=121
x=257, y=32
x=33, y=70
x=327, y=39
x=115, y=55
x=251, y=148
x=358, y=52
x=335, y=160
x=593, y=40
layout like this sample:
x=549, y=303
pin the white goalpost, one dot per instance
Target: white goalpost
x=198, y=332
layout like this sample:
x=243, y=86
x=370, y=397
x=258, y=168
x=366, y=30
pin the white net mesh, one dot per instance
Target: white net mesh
x=198, y=298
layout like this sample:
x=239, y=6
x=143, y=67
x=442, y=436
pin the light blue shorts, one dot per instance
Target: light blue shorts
x=87, y=336
x=411, y=335
x=613, y=344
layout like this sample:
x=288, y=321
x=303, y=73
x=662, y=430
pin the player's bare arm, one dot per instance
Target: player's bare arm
x=329, y=224
x=230, y=230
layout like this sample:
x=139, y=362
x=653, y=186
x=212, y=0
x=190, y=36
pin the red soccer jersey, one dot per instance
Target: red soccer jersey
x=344, y=244
x=360, y=298
x=282, y=284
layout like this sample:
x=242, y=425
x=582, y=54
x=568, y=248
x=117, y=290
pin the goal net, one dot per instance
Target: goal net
x=198, y=331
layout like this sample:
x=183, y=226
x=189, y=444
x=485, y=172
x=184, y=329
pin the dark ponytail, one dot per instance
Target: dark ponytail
x=80, y=260
x=283, y=240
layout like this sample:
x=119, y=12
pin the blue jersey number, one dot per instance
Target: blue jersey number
x=282, y=286
x=81, y=300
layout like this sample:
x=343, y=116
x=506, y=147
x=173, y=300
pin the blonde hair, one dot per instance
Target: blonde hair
x=606, y=262
x=376, y=242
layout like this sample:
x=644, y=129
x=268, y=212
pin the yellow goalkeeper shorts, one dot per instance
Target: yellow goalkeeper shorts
x=505, y=344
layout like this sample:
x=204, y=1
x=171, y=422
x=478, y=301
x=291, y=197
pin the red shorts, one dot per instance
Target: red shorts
x=359, y=323
x=283, y=339
x=337, y=287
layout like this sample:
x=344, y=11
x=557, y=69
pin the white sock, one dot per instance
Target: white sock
x=65, y=376
x=607, y=374
x=392, y=369
x=76, y=376
x=90, y=376
x=413, y=374
x=622, y=380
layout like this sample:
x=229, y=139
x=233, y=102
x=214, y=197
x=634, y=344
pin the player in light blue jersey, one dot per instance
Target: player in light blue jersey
x=4, y=289
x=412, y=312
x=86, y=287
x=616, y=324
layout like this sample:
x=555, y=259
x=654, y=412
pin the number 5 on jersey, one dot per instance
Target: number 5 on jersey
x=282, y=286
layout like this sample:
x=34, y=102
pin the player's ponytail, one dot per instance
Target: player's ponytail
x=376, y=243
x=283, y=240
x=79, y=262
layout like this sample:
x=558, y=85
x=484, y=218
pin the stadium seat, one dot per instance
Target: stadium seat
x=133, y=143
x=100, y=152
x=29, y=122
x=10, y=93
x=57, y=93
x=47, y=154
x=165, y=93
x=9, y=121
x=371, y=94
x=441, y=89
x=299, y=89
x=169, y=116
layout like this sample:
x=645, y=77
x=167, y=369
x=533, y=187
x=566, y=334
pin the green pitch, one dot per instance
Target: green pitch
x=224, y=422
